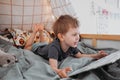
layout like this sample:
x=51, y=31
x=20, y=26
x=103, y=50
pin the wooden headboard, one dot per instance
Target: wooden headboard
x=96, y=37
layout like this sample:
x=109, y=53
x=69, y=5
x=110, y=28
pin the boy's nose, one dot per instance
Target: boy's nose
x=77, y=38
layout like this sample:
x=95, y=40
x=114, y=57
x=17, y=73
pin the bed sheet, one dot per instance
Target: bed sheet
x=34, y=67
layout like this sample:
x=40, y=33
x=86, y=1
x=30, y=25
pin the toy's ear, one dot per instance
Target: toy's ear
x=16, y=60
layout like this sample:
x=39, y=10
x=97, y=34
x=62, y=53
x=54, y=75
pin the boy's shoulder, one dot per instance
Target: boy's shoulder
x=55, y=43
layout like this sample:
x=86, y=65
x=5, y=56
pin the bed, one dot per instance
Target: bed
x=34, y=67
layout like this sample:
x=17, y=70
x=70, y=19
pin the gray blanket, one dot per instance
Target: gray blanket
x=34, y=67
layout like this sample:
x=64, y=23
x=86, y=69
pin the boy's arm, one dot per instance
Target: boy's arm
x=30, y=41
x=61, y=72
x=99, y=55
x=53, y=63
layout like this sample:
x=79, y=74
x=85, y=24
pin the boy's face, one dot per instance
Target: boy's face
x=71, y=38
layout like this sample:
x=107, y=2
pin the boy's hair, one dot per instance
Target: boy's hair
x=63, y=23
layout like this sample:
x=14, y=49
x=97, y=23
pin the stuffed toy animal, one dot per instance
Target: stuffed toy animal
x=19, y=37
x=6, y=59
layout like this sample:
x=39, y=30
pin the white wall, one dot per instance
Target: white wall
x=87, y=20
x=97, y=23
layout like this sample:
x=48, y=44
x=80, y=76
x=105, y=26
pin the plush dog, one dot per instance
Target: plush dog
x=6, y=59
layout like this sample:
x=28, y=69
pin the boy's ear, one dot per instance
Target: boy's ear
x=60, y=37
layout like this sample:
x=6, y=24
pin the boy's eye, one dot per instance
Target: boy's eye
x=74, y=34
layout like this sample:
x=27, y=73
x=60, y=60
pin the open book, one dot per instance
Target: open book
x=98, y=63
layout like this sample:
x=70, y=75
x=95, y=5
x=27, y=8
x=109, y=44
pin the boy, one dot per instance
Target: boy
x=66, y=29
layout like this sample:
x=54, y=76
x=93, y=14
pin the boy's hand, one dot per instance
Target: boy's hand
x=63, y=72
x=41, y=27
x=35, y=28
x=101, y=54
x=38, y=27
